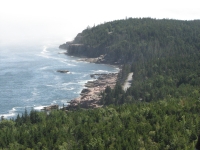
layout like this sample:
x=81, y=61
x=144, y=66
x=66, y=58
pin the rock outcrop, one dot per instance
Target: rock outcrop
x=51, y=107
x=63, y=71
x=91, y=95
x=87, y=52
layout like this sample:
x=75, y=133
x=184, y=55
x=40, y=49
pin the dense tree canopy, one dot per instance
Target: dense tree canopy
x=168, y=124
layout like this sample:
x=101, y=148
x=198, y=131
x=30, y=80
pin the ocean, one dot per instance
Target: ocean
x=29, y=78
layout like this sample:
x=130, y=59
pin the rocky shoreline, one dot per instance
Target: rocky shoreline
x=91, y=95
x=99, y=59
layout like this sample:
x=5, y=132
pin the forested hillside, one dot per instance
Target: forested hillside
x=163, y=54
x=132, y=39
x=159, y=111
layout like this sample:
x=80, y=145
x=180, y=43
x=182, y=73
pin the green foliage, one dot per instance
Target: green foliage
x=169, y=124
x=114, y=96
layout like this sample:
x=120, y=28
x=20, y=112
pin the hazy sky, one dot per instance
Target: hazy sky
x=60, y=20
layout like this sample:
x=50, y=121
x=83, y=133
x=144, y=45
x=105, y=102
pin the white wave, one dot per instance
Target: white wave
x=44, y=50
x=69, y=83
x=54, y=102
x=100, y=71
x=68, y=64
x=82, y=82
x=44, y=53
x=62, y=60
x=71, y=64
x=9, y=115
x=13, y=109
x=62, y=52
x=67, y=86
x=74, y=61
x=38, y=107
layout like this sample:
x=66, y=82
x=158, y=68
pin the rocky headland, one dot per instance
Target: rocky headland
x=94, y=54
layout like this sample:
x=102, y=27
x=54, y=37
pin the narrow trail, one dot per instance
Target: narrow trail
x=127, y=83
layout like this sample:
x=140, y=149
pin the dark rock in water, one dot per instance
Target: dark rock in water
x=51, y=107
x=63, y=71
x=93, y=76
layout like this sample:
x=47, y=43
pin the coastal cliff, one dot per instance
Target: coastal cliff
x=163, y=54
x=86, y=53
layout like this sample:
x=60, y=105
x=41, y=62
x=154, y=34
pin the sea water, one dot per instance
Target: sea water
x=29, y=78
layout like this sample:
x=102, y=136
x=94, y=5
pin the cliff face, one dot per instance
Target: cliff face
x=93, y=54
x=80, y=50
x=75, y=44
x=77, y=48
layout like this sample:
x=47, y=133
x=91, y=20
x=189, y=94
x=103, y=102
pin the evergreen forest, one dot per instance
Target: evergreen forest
x=161, y=109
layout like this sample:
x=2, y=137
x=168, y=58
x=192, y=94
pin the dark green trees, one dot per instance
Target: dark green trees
x=169, y=124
